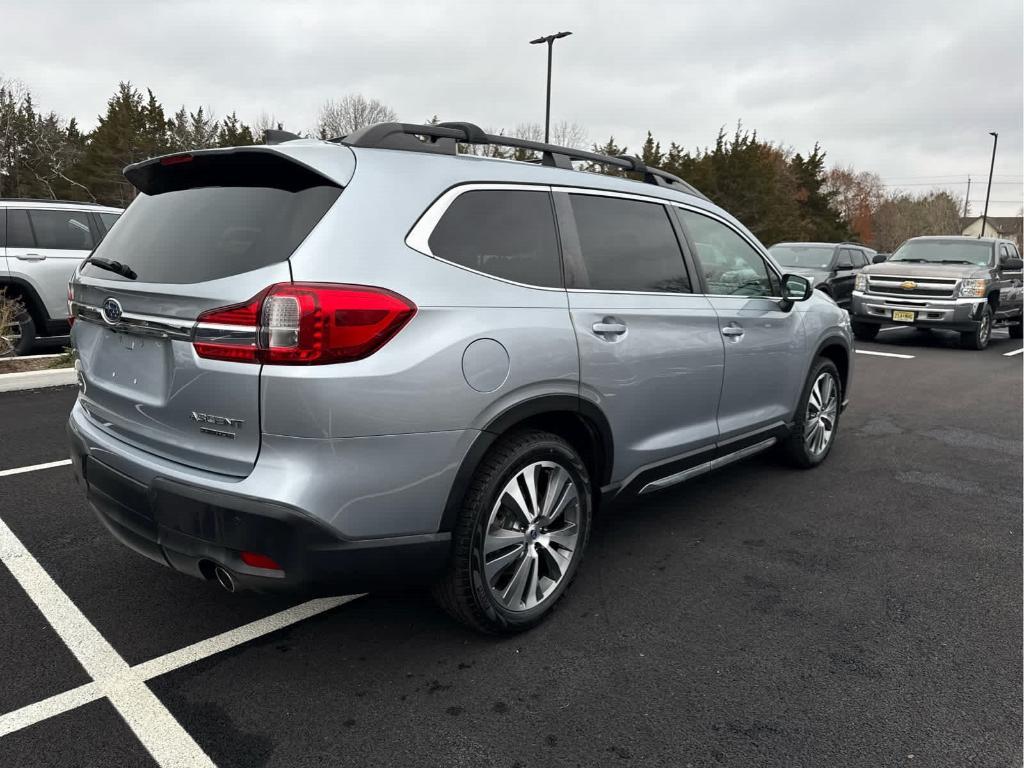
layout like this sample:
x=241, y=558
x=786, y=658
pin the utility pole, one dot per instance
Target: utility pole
x=550, y=40
x=984, y=216
x=967, y=200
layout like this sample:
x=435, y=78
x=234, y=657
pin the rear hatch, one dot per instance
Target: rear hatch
x=209, y=230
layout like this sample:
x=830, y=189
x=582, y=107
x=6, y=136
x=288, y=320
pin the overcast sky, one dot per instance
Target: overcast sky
x=909, y=90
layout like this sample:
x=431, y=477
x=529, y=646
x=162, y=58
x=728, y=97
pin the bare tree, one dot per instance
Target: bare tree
x=350, y=113
x=566, y=134
x=265, y=122
x=903, y=216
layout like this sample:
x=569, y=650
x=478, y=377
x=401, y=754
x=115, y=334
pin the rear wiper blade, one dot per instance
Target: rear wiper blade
x=113, y=266
x=916, y=261
x=955, y=261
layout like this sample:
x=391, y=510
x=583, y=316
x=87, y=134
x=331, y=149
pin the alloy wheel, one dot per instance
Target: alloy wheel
x=531, y=536
x=820, y=419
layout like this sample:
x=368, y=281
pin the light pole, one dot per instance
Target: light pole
x=550, y=40
x=984, y=216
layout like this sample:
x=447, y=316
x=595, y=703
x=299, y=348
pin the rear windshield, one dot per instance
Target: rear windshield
x=945, y=252
x=806, y=256
x=195, y=235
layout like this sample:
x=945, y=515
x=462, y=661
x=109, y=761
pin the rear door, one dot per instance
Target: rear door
x=848, y=263
x=44, y=247
x=209, y=232
x=650, y=352
x=764, y=345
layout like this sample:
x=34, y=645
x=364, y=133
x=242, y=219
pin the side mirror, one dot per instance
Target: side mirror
x=1012, y=263
x=878, y=258
x=795, y=288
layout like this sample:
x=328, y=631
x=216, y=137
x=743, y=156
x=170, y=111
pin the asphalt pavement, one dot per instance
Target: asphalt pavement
x=866, y=613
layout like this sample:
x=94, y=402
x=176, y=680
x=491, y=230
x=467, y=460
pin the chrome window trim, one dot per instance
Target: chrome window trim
x=419, y=236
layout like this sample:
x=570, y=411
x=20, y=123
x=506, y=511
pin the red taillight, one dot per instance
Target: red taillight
x=303, y=324
x=256, y=560
x=71, y=301
x=175, y=159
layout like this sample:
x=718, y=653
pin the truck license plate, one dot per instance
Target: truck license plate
x=902, y=316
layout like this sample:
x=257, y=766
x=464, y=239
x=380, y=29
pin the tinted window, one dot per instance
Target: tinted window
x=730, y=265
x=108, y=219
x=65, y=230
x=505, y=233
x=194, y=235
x=3, y=227
x=860, y=258
x=628, y=245
x=847, y=258
x=803, y=256
x=19, y=231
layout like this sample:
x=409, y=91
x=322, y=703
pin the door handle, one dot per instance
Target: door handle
x=609, y=328
x=732, y=331
x=30, y=256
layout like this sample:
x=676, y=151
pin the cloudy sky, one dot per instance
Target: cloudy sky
x=909, y=90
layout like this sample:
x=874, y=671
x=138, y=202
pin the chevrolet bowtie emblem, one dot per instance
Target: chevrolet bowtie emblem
x=908, y=285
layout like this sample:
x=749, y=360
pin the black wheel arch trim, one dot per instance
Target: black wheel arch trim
x=28, y=294
x=591, y=417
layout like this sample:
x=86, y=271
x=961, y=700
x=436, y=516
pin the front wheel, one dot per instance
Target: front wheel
x=865, y=331
x=979, y=337
x=814, y=429
x=520, y=536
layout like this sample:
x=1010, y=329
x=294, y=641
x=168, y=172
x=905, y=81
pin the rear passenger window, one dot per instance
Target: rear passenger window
x=503, y=233
x=66, y=230
x=108, y=219
x=628, y=245
x=860, y=259
x=19, y=232
x=730, y=264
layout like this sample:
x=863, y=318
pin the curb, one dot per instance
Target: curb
x=51, y=377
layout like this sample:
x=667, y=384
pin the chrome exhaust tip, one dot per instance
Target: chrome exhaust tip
x=224, y=579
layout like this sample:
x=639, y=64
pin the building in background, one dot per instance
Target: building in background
x=1009, y=227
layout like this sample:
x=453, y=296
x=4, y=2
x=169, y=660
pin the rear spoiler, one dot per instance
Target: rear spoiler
x=230, y=167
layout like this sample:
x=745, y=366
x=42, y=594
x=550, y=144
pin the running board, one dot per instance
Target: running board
x=708, y=466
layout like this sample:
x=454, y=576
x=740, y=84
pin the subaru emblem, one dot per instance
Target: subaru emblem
x=112, y=311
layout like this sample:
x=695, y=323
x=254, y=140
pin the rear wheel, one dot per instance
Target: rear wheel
x=817, y=422
x=865, y=331
x=520, y=536
x=979, y=337
x=18, y=333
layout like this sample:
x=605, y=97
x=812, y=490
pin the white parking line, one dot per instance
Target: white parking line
x=894, y=328
x=151, y=721
x=883, y=354
x=34, y=467
x=1015, y=352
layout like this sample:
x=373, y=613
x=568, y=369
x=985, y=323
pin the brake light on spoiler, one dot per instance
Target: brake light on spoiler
x=303, y=324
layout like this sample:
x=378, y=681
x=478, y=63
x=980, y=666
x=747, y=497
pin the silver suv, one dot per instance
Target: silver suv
x=41, y=244
x=339, y=365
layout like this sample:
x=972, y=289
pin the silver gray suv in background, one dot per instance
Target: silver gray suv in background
x=42, y=242
x=323, y=365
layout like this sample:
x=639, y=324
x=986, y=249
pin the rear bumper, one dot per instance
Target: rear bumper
x=953, y=314
x=193, y=527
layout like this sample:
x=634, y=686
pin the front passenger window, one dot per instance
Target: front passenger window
x=730, y=264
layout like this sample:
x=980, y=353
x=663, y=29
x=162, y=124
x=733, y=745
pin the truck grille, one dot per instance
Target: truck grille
x=923, y=287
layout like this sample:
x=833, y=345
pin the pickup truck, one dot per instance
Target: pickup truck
x=964, y=284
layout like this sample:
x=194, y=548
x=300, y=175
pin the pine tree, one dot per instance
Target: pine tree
x=234, y=133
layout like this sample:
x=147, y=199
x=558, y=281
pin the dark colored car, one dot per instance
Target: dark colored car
x=831, y=267
x=964, y=284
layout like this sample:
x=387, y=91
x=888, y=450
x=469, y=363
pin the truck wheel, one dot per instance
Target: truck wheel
x=979, y=337
x=1017, y=331
x=865, y=331
x=817, y=418
x=520, y=536
x=18, y=337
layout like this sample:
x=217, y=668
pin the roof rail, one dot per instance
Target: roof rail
x=442, y=138
x=52, y=200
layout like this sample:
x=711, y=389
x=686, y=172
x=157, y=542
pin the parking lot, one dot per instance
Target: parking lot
x=867, y=613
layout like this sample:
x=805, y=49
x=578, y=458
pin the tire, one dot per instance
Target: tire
x=1017, y=331
x=801, y=447
x=980, y=336
x=865, y=331
x=18, y=338
x=498, y=599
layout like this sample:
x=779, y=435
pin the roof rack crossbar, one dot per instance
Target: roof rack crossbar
x=443, y=137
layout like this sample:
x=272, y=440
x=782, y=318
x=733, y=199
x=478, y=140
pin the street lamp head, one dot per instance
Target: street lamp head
x=550, y=38
x=992, y=133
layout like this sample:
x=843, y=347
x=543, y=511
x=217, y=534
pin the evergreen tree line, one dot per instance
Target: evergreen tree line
x=778, y=193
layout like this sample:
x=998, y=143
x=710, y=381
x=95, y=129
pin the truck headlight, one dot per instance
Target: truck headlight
x=860, y=283
x=973, y=288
